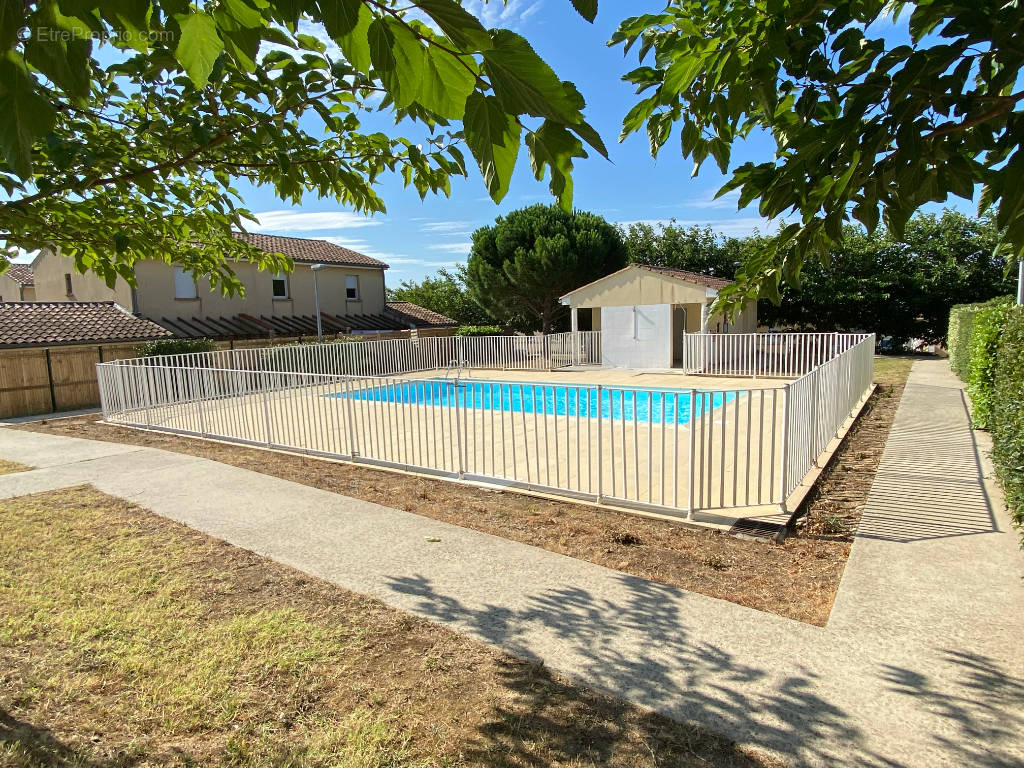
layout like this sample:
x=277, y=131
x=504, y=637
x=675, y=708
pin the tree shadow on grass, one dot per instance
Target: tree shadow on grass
x=639, y=648
x=31, y=745
x=642, y=651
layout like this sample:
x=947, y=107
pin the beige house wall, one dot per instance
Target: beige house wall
x=11, y=290
x=744, y=322
x=636, y=287
x=49, y=270
x=155, y=294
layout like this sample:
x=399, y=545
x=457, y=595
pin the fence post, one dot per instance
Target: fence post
x=266, y=411
x=101, y=381
x=813, y=438
x=200, y=381
x=49, y=377
x=147, y=370
x=785, y=447
x=353, y=446
x=600, y=445
x=693, y=446
x=458, y=432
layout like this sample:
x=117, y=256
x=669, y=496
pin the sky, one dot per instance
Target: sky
x=416, y=238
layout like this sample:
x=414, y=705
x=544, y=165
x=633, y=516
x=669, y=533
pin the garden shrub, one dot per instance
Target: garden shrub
x=958, y=337
x=176, y=347
x=981, y=369
x=479, y=330
x=1007, y=412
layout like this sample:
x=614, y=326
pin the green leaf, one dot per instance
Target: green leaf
x=446, y=84
x=398, y=58
x=198, y=46
x=493, y=138
x=586, y=8
x=243, y=45
x=244, y=14
x=355, y=43
x=65, y=63
x=404, y=85
x=587, y=132
x=524, y=83
x=461, y=27
x=25, y=116
x=340, y=17
x=552, y=145
x=682, y=73
x=12, y=18
x=381, y=40
x=129, y=16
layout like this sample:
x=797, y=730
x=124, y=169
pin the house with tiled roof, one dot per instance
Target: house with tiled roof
x=54, y=324
x=17, y=283
x=644, y=313
x=350, y=286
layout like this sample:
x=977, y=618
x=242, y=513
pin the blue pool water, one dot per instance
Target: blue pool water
x=647, y=406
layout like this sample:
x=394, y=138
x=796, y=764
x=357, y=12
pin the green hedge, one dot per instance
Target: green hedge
x=176, y=347
x=1007, y=412
x=988, y=326
x=479, y=330
x=961, y=329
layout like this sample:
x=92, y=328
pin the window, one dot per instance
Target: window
x=67, y=283
x=280, y=289
x=184, y=284
x=352, y=287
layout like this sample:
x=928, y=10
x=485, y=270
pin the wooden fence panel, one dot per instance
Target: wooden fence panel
x=24, y=384
x=32, y=384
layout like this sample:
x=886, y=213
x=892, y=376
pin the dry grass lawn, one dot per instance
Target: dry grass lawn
x=7, y=467
x=129, y=640
x=797, y=579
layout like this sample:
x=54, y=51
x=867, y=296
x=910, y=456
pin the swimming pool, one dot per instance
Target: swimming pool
x=641, y=405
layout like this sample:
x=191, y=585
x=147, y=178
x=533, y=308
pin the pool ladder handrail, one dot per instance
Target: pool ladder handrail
x=457, y=364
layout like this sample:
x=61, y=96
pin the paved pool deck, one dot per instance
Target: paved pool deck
x=918, y=665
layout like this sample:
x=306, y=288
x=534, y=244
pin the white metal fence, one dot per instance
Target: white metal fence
x=668, y=450
x=390, y=357
x=783, y=355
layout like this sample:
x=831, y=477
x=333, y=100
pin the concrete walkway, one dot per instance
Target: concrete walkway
x=919, y=664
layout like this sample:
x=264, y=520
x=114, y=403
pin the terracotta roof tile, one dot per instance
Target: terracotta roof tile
x=20, y=273
x=419, y=316
x=308, y=251
x=691, y=277
x=398, y=316
x=39, y=324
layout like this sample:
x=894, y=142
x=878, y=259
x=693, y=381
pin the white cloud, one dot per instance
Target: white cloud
x=19, y=255
x=707, y=199
x=462, y=248
x=367, y=249
x=512, y=14
x=728, y=200
x=448, y=227
x=310, y=221
x=388, y=257
x=426, y=262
